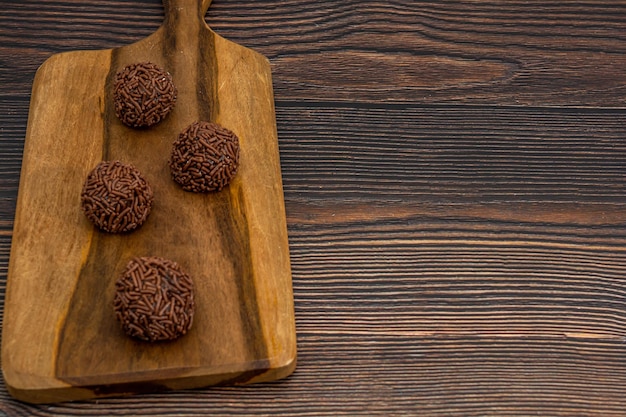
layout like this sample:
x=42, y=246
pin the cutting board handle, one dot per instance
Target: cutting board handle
x=186, y=9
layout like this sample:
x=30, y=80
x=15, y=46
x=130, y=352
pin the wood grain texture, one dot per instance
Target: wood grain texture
x=454, y=178
x=60, y=337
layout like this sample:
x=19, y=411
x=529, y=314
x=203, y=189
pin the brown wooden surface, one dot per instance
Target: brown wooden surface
x=454, y=176
x=60, y=337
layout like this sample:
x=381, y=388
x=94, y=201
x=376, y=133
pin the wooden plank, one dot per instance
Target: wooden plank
x=452, y=154
x=403, y=374
x=514, y=53
x=60, y=338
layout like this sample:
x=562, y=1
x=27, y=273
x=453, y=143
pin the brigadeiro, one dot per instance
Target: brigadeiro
x=205, y=157
x=116, y=197
x=144, y=94
x=154, y=299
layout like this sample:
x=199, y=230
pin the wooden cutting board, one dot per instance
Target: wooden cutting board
x=60, y=339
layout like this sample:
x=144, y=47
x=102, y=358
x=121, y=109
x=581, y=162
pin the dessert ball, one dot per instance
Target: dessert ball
x=144, y=94
x=116, y=197
x=154, y=299
x=205, y=157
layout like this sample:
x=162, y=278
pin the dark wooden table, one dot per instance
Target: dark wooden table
x=455, y=184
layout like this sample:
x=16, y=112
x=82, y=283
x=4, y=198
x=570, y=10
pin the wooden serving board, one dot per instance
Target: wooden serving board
x=60, y=339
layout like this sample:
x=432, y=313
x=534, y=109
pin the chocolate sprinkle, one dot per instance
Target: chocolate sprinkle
x=144, y=94
x=154, y=299
x=116, y=197
x=205, y=157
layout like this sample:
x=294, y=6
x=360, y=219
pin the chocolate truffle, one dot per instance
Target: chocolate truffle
x=144, y=94
x=205, y=157
x=154, y=299
x=116, y=197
